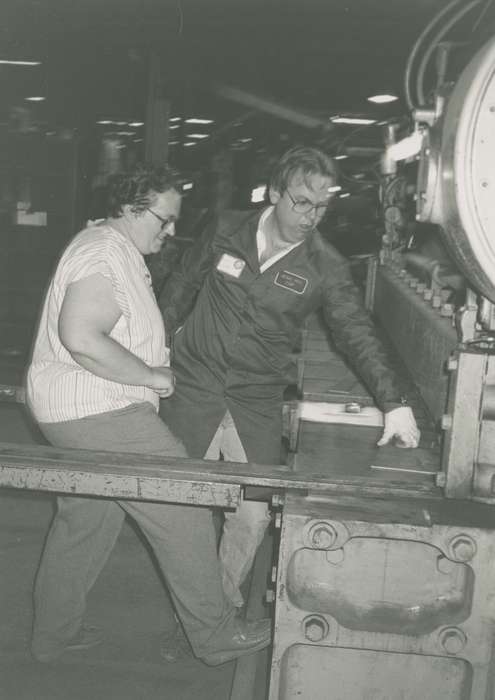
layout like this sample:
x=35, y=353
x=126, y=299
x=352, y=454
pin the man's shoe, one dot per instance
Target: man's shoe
x=247, y=638
x=87, y=637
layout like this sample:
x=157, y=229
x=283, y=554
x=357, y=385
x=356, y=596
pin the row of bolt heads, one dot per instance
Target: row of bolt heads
x=435, y=297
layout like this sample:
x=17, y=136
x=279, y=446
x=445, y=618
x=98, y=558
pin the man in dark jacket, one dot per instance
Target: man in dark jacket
x=252, y=281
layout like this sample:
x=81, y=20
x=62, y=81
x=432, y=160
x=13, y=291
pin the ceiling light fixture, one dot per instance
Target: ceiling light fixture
x=6, y=62
x=191, y=143
x=105, y=122
x=174, y=126
x=258, y=194
x=197, y=136
x=197, y=120
x=136, y=123
x=382, y=99
x=175, y=119
x=187, y=186
x=352, y=120
x=36, y=99
x=344, y=194
x=364, y=121
x=335, y=188
x=341, y=157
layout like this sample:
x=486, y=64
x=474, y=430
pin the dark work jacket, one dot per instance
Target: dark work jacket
x=235, y=349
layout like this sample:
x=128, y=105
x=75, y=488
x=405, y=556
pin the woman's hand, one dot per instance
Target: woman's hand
x=162, y=381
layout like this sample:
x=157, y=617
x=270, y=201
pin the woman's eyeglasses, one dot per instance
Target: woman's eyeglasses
x=165, y=222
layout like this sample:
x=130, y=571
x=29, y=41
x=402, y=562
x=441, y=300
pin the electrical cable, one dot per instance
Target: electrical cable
x=415, y=49
x=181, y=18
x=481, y=15
x=433, y=45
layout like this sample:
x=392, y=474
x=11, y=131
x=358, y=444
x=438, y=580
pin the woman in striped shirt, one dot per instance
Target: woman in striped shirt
x=99, y=367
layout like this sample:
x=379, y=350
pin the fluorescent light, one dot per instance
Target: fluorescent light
x=352, y=120
x=173, y=143
x=197, y=136
x=246, y=140
x=335, y=188
x=341, y=157
x=191, y=143
x=6, y=62
x=258, y=194
x=187, y=186
x=175, y=126
x=344, y=194
x=136, y=123
x=196, y=120
x=35, y=99
x=175, y=119
x=104, y=121
x=382, y=99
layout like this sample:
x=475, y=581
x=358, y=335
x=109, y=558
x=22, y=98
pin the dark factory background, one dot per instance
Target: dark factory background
x=219, y=87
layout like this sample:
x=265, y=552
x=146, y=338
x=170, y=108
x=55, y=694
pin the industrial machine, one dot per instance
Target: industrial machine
x=388, y=595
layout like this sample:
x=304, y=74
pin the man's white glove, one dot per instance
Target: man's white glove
x=399, y=423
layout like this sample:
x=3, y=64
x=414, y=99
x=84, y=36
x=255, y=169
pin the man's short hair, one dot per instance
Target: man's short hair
x=308, y=160
x=139, y=187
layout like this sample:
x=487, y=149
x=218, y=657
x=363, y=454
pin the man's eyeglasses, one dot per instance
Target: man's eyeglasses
x=306, y=207
x=165, y=222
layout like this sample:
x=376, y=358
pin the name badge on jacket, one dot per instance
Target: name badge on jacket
x=291, y=281
x=231, y=265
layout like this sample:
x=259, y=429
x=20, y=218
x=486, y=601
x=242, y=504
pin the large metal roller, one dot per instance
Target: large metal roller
x=467, y=171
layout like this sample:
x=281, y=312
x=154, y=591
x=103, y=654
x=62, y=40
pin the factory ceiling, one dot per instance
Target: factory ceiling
x=320, y=58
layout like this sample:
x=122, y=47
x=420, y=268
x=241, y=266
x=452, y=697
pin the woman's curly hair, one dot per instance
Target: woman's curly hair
x=139, y=186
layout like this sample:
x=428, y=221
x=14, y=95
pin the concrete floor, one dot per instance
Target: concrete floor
x=128, y=602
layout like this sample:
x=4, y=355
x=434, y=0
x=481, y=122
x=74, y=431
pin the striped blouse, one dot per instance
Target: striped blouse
x=58, y=388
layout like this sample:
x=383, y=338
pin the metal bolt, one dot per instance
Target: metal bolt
x=322, y=536
x=446, y=422
x=453, y=640
x=315, y=628
x=462, y=548
x=484, y=183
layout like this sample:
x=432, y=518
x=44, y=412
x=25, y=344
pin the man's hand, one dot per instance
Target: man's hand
x=400, y=424
x=162, y=381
